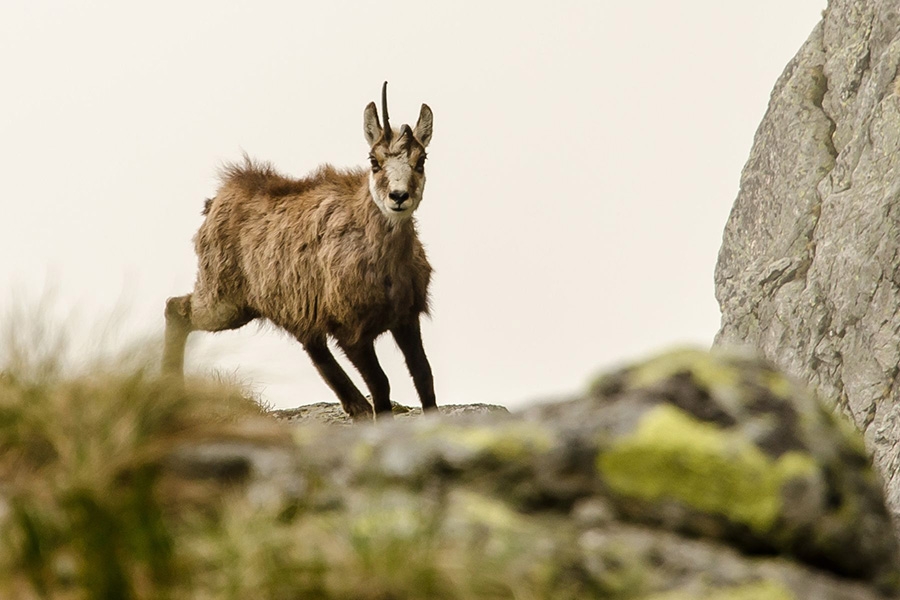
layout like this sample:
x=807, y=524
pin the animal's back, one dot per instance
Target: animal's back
x=238, y=208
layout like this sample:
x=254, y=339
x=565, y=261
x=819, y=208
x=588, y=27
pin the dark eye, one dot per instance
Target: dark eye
x=375, y=166
x=420, y=165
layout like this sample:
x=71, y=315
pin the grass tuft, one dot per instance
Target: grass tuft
x=79, y=506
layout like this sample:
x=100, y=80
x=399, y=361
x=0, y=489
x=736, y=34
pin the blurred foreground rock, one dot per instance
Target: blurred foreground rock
x=691, y=475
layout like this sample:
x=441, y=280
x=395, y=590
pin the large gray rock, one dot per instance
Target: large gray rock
x=691, y=475
x=807, y=273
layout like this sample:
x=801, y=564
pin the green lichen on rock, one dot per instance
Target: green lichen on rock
x=674, y=456
x=722, y=444
x=502, y=441
x=762, y=590
x=728, y=385
x=706, y=370
x=485, y=511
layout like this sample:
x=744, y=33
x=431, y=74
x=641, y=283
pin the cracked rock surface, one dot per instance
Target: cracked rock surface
x=807, y=272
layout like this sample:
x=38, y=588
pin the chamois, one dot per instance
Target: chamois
x=334, y=254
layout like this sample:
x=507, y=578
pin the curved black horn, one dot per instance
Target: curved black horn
x=387, y=123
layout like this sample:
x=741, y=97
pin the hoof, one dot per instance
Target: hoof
x=361, y=415
x=385, y=415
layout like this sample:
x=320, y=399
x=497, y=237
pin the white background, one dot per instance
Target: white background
x=584, y=161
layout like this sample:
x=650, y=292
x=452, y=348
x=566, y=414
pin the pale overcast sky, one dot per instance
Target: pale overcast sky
x=584, y=160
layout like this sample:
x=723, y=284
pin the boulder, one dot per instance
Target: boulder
x=807, y=273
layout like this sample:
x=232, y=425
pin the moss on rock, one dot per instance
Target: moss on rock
x=761, y=590
x=674, y=456
x=707, y=371
x=505, y=442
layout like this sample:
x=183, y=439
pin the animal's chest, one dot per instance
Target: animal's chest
x=379, y=300
x=372, y=286
x=390, y=290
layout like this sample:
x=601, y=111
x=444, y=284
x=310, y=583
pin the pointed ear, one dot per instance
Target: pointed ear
x=371, y=126
x=423, y=125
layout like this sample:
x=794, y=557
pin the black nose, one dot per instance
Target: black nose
x=399, y=197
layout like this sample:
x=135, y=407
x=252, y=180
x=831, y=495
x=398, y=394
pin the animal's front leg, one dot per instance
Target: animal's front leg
x=365, y=360
x=409, y=340
x=351, y=399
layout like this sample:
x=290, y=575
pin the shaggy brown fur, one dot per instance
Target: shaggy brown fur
x=317, y=257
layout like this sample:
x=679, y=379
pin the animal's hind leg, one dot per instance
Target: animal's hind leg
x=187, y=313
x=351, y=399
x=178, y=326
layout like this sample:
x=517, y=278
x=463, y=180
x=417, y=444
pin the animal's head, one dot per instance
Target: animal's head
x=397, y=177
